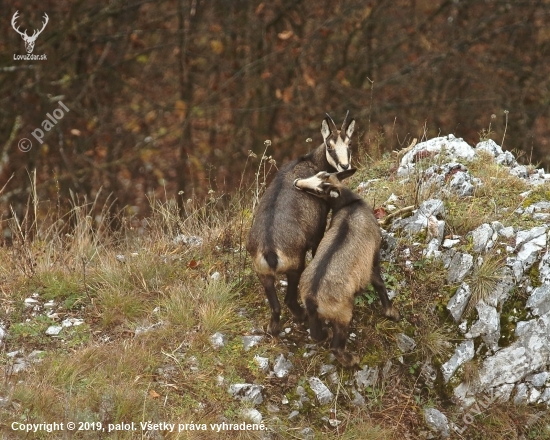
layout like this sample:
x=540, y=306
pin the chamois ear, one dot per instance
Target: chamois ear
x=350, y=128
x=345, y=174
x=325, y=130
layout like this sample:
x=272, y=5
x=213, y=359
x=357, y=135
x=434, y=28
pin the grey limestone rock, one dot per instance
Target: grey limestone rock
x=247, y=392
x=366, y=377
x=405, y=343
x=262, y=362
x=510, y=365
x=437, y=421
x=539, y=379
x=217, y=340
x=321, y=391
x=459, y=266
x=457, y=304
x=251, y=341
x=487, y=326
x=252, y=415
x=489, y=146
x=483, y=238
x=463, y=353
x=539, y=300
x=455, y=149
x=282, y=366
x=544, y=268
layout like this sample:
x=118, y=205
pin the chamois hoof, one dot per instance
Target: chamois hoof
x=346, y=359
x=273, y=328
x=392, y=313
x=321, y=336
x=301, y=316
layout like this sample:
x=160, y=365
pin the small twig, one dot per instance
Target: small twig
x=404, y=151
x=370, y=105
x=6, y=184
x=505, y=127
x=390, y=217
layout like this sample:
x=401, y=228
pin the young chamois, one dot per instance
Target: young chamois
x=347, y=260
x=288, y=223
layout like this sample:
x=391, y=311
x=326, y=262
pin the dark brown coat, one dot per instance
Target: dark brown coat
x=289, y=223
x=347, y=261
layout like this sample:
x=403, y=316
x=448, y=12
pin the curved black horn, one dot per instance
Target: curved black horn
x=331, y=120
x=344, y=123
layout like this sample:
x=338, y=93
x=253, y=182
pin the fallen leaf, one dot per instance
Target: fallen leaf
x=380, y=213
x=285, y=35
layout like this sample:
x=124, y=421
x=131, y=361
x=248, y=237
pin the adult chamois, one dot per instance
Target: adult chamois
x=289, y=223
x=347, y=260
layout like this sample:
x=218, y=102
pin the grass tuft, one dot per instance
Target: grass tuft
x=484, y=279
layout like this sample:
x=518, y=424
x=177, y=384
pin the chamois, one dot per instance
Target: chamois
x=288, y=223
x=347, y=260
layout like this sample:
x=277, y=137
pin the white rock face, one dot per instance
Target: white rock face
x=459, y=266
x=529, y=244
x=405, y=343
x=454, y=147
x=483, y=238
x=420, y=220
x=463, y=353
x=457, y=304
x=437, y=421
x=510, y=365
x=321, y=391
x=251, y=341
x=252, y=414
x=262, y=362
x=247, y=392
x=282, y=366
x=53, y=330
x=217, y=340
x=539, y=300
x=487, y=326
x=489, y=146
x=366, y=377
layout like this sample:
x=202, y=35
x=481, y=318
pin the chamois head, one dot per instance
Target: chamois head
x=323, y=184
x=337, y=142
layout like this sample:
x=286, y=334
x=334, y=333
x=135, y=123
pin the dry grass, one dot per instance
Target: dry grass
x=434, y=343
x=484, y=279
x=144, y=352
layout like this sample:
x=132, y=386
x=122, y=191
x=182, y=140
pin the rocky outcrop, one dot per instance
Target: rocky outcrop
x=518, y=370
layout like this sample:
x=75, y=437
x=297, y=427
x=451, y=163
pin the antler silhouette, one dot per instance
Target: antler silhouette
x=29, y=40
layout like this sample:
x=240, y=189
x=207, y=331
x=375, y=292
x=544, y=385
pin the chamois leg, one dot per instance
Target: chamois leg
x=274, y=326
x=377, y=281
x=316, y=329
x=291, y=297
x=338, y=344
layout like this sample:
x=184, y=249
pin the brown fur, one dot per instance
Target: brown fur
x=347, y=260
x=288, y=224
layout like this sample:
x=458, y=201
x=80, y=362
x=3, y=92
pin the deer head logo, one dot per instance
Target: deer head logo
x=29, y=41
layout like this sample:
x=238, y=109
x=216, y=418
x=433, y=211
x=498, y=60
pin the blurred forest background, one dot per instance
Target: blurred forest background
x=168, y=97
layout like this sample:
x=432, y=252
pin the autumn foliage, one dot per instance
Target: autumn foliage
x=168, y=97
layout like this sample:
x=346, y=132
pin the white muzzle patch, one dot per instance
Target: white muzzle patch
x=338, y=154
x=313, y=183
